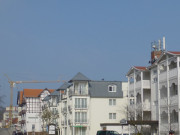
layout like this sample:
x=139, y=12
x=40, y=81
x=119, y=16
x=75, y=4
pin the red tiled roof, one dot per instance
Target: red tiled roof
x=174, y=52
x=140, y=68
x=34, y=92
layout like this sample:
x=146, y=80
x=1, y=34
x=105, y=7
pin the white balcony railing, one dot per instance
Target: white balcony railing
x=131, y=87
x=173, y=73
x=138, y=84
x=163, y=76
x=146, y=106
x=146, y=84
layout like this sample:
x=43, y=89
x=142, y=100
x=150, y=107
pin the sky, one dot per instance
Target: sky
x=48, y=40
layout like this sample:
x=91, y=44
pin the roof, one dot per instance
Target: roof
x=55, y=93
x=46, y=98
x=64, y=86
x=99, y=89
x=79, y=77
x=140, y=68
x=174, y=52
x=34, y=92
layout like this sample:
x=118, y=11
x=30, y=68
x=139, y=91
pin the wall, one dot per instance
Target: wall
x=99, y=112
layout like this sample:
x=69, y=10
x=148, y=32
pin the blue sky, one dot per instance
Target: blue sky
x=55, y=39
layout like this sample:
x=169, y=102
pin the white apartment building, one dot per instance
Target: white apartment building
x=86, y=104
x=31, y=108
x=153, y=92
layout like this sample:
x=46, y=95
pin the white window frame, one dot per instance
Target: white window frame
x=112, y=87
x=112, y=116
x=112, y=102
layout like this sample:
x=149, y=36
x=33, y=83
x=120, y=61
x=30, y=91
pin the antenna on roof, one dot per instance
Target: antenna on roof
x=164, y=43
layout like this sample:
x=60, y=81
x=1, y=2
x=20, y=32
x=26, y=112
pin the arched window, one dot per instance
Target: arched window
x=163, y=92
x=164, y=117
x=174, y=116
x=138, y=98
x=173, y=90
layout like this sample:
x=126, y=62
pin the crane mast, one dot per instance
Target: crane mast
x=12, y=84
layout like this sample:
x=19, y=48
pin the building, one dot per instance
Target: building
x=6, y=115
x=153, y=92
x=30, y=102
x=50, y=113
x=86, y=104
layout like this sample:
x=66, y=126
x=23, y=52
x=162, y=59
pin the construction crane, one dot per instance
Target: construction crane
x=12, y=84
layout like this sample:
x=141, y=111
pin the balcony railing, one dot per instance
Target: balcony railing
x=173, y=73
x=163, y=76
x=146, y=85
x=78, y=92
x=80, y=106
x=146, y=106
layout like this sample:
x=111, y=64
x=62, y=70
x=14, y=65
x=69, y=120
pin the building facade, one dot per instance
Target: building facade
x=31, y=105
x=153, y=92
x=86, y=103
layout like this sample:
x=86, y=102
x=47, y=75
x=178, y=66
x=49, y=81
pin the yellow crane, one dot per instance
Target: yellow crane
x=12, y=84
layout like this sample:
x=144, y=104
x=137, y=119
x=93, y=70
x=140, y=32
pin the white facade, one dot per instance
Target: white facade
x=101, y=112
x=31, y=109
x=159, y=94
x=83, y=110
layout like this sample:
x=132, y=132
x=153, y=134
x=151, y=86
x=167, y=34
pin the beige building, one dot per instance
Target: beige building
x=86, y=104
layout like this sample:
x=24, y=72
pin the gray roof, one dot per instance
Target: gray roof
x=79, y=77
x=99, y=89
x=55, y=93
x=64, y=86
x=46, y=98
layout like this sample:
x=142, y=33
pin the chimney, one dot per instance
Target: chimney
x=155, y=54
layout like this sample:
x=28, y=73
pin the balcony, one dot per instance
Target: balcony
x=138, y=85
x=81, y=107
x=173, y=73
x=163, y=76
x=131, y=87
x=146, y=84
x=146, y=106
x=78, y=92
x=81, y=122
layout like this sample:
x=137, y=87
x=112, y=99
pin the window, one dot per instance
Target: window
x=81, y=117
x=155, y=80
x=112, y=88
x=80, y=102
x=131, y=101
x=112, y=116
x=112, y=102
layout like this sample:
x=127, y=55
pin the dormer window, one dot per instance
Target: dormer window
x=112, y=88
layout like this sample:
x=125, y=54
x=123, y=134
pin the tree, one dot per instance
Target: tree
x=46, y=117
x=136, y=120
